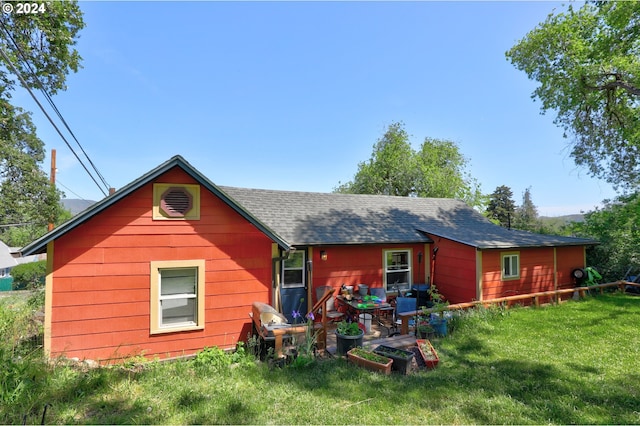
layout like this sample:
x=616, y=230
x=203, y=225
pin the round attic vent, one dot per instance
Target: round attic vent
x=176, y=201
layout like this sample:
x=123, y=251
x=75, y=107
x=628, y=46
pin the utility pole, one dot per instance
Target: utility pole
x=52, y=177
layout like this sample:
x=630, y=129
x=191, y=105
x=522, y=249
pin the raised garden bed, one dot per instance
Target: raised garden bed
x=370, y=360
x=401, y=358
x=428, y=353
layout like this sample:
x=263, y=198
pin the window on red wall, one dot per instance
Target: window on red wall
x=397, y=269
x=510, y=266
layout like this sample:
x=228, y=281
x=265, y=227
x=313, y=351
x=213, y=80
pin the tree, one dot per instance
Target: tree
x=617, y=227
x=391, y=170
x=501, y=207
x=526, y=214
x=587, y=62
x=437, y=169
x=441, y=173
x=39, y=47
x=29, y=276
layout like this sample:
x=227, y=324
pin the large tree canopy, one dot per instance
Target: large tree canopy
x=615, y=226
x=40, y=47
x=437, y=169
x=587, y=62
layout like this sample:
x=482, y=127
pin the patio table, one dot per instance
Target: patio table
x=357, y=306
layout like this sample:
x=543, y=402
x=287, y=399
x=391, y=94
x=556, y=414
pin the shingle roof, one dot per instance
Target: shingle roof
x=308, y=218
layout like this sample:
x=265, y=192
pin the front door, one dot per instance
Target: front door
x=293, y=286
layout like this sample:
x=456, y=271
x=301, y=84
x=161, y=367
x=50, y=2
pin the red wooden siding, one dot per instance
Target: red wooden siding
x=356, y=264
x=536, y=273
x=567, y=259
x=455, y=270
x=101, y=277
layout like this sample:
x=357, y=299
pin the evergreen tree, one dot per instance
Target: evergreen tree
x=526, y=215
x=501, y=207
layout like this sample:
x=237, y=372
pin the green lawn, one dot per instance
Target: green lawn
x=573, y=363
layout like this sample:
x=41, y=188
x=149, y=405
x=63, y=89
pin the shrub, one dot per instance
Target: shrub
x=29, y=276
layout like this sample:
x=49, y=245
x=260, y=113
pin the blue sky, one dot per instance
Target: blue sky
x=293, y=95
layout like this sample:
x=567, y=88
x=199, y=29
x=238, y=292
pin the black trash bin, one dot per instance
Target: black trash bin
x=421, y=292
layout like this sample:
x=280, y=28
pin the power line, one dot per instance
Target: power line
x=67, y=188
x=20, y=54
x=4, y=55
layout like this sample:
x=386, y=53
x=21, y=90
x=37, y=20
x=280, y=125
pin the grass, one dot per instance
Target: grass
x=567, y=364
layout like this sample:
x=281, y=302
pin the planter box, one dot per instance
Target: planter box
x=401, y=358
x=380, y=367
x=428, y=353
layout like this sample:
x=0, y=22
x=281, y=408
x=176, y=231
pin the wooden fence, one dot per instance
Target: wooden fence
x=527, y=299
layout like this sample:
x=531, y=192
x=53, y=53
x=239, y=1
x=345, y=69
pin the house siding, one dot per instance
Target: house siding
x=101, y=277
x=357, y=264
x=536, y=273
x=567, y=259
x=455, y=270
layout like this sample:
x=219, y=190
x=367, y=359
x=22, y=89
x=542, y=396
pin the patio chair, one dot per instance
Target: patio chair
x=332, y=314
x=384, y=316
x=405, y=304
x=381, y=294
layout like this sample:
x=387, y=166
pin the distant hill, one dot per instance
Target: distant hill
x=76, y=205
x=557, y=224
x=563, y=219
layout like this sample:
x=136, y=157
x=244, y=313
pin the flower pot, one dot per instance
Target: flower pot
x=428, y=353
x=345, y=342
x=439, y=324
x=424, y=330
x=401, y=358
x=384, y=366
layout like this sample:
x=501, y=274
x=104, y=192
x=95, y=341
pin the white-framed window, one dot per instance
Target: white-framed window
x=397, y=269
x=177, y=295
x=293, y=273
x=510, y=266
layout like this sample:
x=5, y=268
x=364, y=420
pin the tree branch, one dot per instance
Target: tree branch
x=618, y=83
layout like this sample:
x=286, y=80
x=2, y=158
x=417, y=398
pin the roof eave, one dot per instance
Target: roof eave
x=543, y=245
x=487, y=246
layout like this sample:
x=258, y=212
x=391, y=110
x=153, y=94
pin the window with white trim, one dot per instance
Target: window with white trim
x=397, y=269
x=510, y=265
x=293, y=270
x=177, y=295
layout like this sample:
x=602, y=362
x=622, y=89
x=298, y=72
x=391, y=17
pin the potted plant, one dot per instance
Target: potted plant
x=428, y=353
x=438, y=319
x=370, y=360
x=401, y=358
x=348, y=335
x=424, y=330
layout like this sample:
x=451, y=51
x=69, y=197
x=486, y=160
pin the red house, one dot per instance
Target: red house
x=171, y=263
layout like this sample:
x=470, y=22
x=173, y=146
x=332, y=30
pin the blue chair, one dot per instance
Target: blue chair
x=405, y=304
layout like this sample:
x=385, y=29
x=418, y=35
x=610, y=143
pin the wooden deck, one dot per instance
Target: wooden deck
x=377, y=336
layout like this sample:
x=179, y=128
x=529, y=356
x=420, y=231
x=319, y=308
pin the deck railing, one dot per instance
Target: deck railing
x=534, y=298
